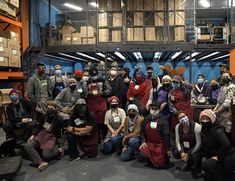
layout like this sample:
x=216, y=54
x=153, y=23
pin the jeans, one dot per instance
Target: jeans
x=72, y=146
x=115, y=143
x=133, y=148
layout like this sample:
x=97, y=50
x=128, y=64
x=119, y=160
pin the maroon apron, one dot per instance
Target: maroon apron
x=181, y=103
x=98, y=106
x=155, y=149
x=46, y=140
x=89, y=144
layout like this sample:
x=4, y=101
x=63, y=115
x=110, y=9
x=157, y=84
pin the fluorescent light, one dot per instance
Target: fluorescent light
x=193, y=55
x=176, y=55
x=224, y=56
x=94, y=4
x=138, y=55
x=72, y=6
x=110, y=59
x=61, y=58
x=87, y=56
x=101, y=55
x=209, y=55
x=120, y=55
x=157, y=55
x=205, y=3
x=229, y=3
x=70, y=56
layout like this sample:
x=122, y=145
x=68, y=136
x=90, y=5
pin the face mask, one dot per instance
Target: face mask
x=78, y=79
x=14, y=98
x=175, y=85
x=81, y=110
x=113, y=72
x=41, y=72
x=214, y=87
x=200, y=81
x=72, y=87
x=94, y=77
x=114, y=106
x=51, y=112
x=154, y=113
x=131, y=115
x=58, y=72
x=166, y=85
x=206, y=124
x=150, y=73
x=138, y=80
x=184, y=120
x=85, y=78
x=226, y=80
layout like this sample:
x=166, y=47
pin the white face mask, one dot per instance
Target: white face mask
x=85, y=78
x=184, y=120
x=58, y=72
x=154, y=113
x=113, y=72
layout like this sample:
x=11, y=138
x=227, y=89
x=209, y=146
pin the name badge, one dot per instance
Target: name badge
x=116, y=119
x=78, y=122
x=153, y=125
x=47, y=126
x=186, y=144
x=80, y=90
x=137, y=86
x=44, y=83
x=172, y=98
x=73, y=99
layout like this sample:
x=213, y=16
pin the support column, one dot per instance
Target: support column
x=232, y=61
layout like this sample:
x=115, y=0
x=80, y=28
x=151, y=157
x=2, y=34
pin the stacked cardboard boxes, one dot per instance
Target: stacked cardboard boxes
x=66, y=32
x=9, y=7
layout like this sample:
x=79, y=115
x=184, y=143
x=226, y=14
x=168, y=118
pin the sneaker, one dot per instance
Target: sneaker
x=71, y=160
x=42, y=166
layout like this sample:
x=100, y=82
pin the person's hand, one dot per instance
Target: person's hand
x=186, y=157
x=169, y=154
x=66, y=110
x=31, y=138
x=182, y=155
x=113, y=134
x=126, y=80
x=143, y=145
x=70, y=129
x=214, y=158
x=124, y=150
x=131, y=99
x=24, y=120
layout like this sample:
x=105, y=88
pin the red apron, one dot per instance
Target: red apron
x=98, y=106
x=89, y=144
x=181, y=103
x=155, y=149
x=46, y=140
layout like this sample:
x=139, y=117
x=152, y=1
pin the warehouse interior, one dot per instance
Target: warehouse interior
x=184, y=37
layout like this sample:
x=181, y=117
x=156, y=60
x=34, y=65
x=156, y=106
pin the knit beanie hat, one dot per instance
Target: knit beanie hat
x=78, y=73
x=177, y=78
x=209, y=113
x=14, y=91
x=166, y=77
x=112, y=98
x=132, y=106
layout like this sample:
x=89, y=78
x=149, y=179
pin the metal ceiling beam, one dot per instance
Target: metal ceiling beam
x=214, y=56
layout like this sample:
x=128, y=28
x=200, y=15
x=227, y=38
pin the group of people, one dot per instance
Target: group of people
x=147, y=117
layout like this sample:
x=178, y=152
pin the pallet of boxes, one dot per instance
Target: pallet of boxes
x=10, y=50
x=4, y=101
x=9, y=8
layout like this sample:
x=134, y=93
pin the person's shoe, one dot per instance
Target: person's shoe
x=71, y=160
x=42, y=166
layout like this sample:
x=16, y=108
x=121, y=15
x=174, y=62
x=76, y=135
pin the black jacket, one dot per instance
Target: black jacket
x=215, y=142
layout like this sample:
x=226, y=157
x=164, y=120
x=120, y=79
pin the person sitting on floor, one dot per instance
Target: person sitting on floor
x=44, y=138
x=114, y=119
x=132, y=128
x=82, y=131
x=19, y=114
x=188, y=143
x=155, y=138
x=67, y=99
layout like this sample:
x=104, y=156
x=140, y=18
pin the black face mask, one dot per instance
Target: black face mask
x=206, y=125
x=166, y=85
x=114, y=106
x=226, y=80
x=131, y=115
x=72, y=87
x=51, y=112
x=81, y=110
x=214, y=87
x=78, y=79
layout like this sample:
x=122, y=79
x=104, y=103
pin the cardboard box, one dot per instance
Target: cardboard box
x=138, y=5
x=87, y=31
x=159, y=5
x=11, y=11
x=177, y=18
x=3, y=5
x=103, y=19
x=4, y=61
x=51, y=41
x=138, y=34
x=66, y=38
x=88, y=40
x=67, y=29
x=179, y=34
x=115, y=5
x=159, y=19
x=4, y=52
x=13, y=44
x=76, y=38
x=15, y=3
x=103, y=35
x=4, y=96
x=129, y=5
x=117, y=19
x=138, y=19
x=14, y=36
x=14, y=61
x=103, y=5
x=3, y=42
x=130, y=34
x=116, y=36
x=148, y=5
x=150, y=34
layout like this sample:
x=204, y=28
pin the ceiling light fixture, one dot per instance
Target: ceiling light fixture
x=94, y=4
x=101, y=55
x=87, y=56
x=157, y=55
x=176, y=55
x=193, y=55
x=224, y=56
x=138, y=56
x=70, y=56
x=120, y=55
x=212, y=54
x=205, y=3
x=56, y=57
x=72, y=6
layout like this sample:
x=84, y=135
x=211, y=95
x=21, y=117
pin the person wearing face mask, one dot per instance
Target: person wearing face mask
x=138, y=92
x=214, y=92
x=220, y=156
x=19, y=113
x=126, y=79
x=155, y=138
x=132, y=129
x=98, y=91
x=179, y=99
x=58, y=81
x=44, y=138
x=67, y=99
x=116, y=83
x=114, y=119
x=39, y=90
x=188, y=144
x=81, y=84
x=223, y=106
x=202, y=89
x=82, y=132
